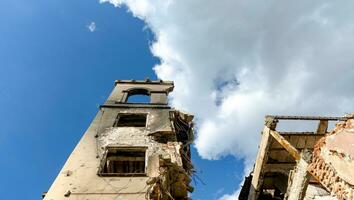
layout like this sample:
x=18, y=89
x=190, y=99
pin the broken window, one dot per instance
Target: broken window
x=123, y=162
x=130, y=120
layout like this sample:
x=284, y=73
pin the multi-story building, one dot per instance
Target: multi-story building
x=132, y=150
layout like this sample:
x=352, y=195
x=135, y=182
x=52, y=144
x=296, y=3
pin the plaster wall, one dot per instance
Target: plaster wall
x=158, y=91
x=78, y=179
x=316, y=192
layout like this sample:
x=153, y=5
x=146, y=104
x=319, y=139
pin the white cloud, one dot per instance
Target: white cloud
x=233, y=61
x=233, y=196
x=92, y=27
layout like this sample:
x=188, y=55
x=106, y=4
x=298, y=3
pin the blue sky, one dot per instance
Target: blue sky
x=54, y=72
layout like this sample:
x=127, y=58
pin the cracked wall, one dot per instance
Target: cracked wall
x=166, y=138
x=333, y=160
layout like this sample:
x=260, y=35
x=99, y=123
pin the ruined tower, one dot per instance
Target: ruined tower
x=131, y=150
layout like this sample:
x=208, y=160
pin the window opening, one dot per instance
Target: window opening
x=139, y=98
x=123, y=162
x=130, y=120
x=139, y=95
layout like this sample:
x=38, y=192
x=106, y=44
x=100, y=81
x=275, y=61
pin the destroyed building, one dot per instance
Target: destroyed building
x=315, y=165
x=141, y=150
x=131, y=150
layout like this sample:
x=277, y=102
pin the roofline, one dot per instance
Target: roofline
x=283, y=117
x=146, y=81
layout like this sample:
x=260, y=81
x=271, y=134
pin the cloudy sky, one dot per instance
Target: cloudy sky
x=233, y=61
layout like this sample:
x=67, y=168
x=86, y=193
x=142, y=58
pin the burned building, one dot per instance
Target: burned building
x=316, y=165
x=131, y=150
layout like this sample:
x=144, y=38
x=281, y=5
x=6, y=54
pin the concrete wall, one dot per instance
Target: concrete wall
x=79, y=179
x=158, y=91
x=79, y=174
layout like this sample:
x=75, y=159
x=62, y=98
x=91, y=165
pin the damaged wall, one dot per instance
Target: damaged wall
x=316, y=192
x=165, y=140
x=333, y=160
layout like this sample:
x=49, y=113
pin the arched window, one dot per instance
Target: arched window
x=138, y=95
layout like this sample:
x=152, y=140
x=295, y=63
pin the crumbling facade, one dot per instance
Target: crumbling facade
x=131, y=151
x=315, y=165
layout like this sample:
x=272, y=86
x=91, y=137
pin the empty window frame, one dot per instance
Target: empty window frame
x=123, y=162
x=130, y=120
x=139, y=96
x=139, y=99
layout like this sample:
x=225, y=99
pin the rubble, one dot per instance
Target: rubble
x=171, y=183
x=173, y=177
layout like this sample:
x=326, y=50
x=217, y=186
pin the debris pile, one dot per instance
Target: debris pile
x=173, y=179
x=171, y=183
